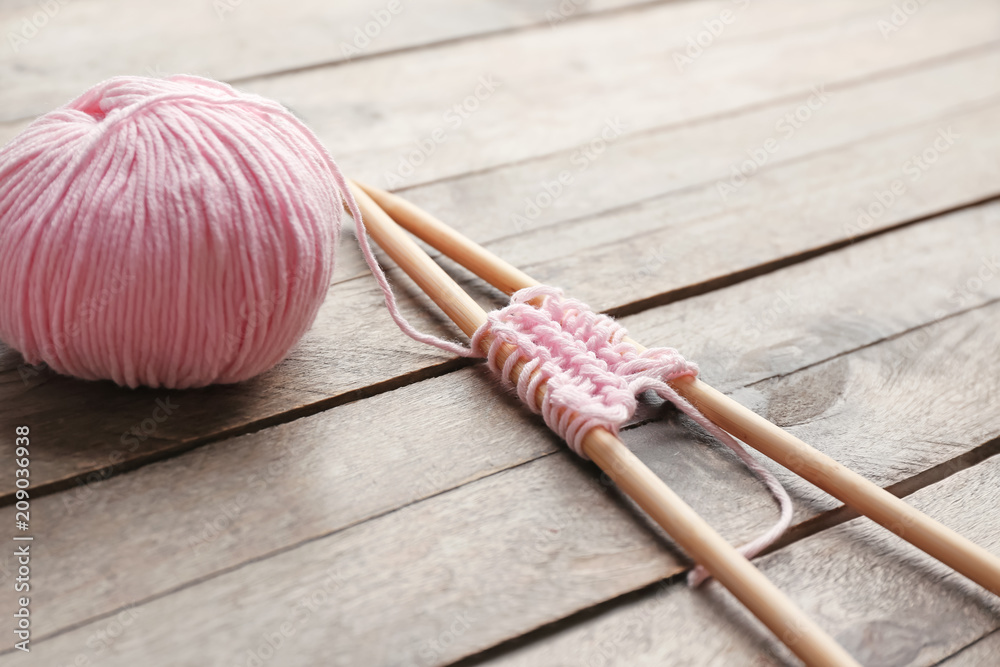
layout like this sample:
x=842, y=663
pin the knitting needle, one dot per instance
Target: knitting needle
x=869, y=499
x=682, y=523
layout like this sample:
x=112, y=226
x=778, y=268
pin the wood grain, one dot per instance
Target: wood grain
x=270, y=493
x=564, y=85
x=789, y=211
x=691, y=160
x=983, y=653
x=232, y=39
x=887, y=603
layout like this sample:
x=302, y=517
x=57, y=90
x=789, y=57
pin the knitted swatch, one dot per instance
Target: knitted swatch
x=593, y=377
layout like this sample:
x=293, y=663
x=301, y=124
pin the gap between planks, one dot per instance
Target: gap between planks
x=581, y=14
x=451, y=41
x=587, y=621
x=251, y=426
x=980, y=653
x=892, y=336
x=797, y=532
x=790, y=98
x=765, y=268
x=635, y=204
x=510, y=24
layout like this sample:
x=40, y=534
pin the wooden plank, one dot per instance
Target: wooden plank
x=790, y=210
x=449, y=576
x=692, y=160
x=231, y=39
x=551, y=97
x=784, y=321
x=240, y=500
x=982, y=653
x=90, y=423
x=886, y=602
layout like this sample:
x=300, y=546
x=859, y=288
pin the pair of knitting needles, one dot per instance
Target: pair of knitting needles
x=382, y=211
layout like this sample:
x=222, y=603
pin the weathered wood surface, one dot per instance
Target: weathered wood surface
x=886, y=602
x=235, y=40
x=436, y=520
x=241, y=500
x=326, y=369
x=230, y=39
x=982, y=653
x=564, y=85
x=691, y=160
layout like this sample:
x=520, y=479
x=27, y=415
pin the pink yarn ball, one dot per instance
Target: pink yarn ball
x=167, y=233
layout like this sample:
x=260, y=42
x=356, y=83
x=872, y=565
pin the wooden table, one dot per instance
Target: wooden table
x=802, y=197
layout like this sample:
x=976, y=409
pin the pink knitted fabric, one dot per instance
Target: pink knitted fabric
x=593, y=378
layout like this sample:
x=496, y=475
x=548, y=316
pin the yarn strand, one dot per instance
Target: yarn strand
x=383, y=282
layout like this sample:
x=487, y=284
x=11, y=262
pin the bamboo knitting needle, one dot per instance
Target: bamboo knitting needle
x=852, y=489
x=689, y=530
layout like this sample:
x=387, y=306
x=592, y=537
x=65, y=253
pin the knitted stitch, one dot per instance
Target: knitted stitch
x=593, y=376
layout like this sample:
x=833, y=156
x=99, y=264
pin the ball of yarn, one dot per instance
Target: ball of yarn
x=168, y=233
